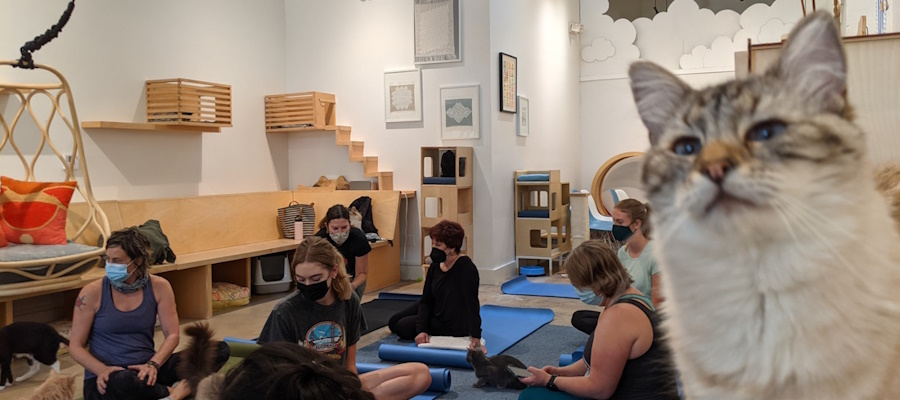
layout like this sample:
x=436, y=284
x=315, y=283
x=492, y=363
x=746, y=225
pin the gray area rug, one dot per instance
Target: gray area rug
x=543, y=347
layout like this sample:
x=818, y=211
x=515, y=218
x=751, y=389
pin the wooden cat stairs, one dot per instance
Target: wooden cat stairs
x=315, y=111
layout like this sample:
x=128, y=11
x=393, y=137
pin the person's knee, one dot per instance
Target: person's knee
x=223, y=352
x=422, y=374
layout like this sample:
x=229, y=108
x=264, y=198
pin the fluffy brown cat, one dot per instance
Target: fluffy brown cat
x=780, y=259
x=56, y=387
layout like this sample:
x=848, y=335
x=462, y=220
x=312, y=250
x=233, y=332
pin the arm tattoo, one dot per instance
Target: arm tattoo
x=80, y=303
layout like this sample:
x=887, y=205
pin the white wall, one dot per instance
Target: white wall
x=548, y=62
x=610, y=121
x=110, y=47
x=354, y=44
x=358, y=41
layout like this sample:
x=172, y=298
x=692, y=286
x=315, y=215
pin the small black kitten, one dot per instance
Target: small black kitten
x=492, y=371
x=33, y=340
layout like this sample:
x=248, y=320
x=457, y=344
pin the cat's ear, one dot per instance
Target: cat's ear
x=657, y=92
x=813, y=62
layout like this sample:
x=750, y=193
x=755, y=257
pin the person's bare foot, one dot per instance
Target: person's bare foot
x=180, y=390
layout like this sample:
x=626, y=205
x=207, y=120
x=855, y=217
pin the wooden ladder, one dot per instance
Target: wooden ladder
x=370, y=163
x=315, y=111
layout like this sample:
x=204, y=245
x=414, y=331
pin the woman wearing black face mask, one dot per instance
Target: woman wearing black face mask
x=631, y=220
x=449, y=305
x=350, y=242
x=323, y=315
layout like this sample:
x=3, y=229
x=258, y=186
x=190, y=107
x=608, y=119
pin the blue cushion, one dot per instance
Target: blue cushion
x=534, y=178
x=28, y=252
x=439, y=180
x=534, y=214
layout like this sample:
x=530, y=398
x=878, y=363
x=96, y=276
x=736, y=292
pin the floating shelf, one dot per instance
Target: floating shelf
x=143, y=126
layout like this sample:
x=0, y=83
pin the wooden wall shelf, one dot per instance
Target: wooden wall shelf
x=142, y=126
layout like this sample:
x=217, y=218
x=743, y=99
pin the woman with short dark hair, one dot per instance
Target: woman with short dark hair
x=449, y=305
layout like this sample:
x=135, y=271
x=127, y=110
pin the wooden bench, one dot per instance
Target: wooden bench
x=214, y=238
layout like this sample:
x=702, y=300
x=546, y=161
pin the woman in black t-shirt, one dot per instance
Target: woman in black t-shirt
x=350, y=242
x=449, y=305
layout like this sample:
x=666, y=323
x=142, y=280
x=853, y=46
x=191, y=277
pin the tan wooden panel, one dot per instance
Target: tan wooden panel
x=385, y=206
x=872, y=87
x=236, y=272
x=193, y=291
x=77, y=214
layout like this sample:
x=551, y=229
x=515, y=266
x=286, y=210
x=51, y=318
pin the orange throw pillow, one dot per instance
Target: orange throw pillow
x=35, y=212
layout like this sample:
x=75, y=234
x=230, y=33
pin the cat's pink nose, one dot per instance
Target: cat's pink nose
x=716, y=170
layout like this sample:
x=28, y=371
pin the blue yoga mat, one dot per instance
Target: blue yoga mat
x=229, y=339
x=440, y=377
x=398, y=296
x=501, y=327
x=522, y=286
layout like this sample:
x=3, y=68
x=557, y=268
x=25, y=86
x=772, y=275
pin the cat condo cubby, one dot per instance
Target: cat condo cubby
x=179, y=105
x=447, y=192
x=543, y=222
x=297, y=112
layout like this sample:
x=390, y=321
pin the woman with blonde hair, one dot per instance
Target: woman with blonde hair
x=625, y=356
x=323, y=315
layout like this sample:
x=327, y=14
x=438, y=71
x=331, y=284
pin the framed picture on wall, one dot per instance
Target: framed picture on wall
x=508, y=90
x=460, y=116
x=523, y=120
x=403, y=96
x=437, y=31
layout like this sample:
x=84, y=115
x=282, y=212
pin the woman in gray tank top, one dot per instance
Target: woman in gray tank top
x=631, y=361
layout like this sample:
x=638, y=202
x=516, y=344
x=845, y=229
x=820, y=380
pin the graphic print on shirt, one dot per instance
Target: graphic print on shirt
x=326, y=338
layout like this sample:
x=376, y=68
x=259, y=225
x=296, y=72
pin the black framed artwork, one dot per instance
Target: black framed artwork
x=508, y=87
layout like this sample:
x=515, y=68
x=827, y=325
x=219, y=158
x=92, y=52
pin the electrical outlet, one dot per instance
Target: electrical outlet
x=76, y=166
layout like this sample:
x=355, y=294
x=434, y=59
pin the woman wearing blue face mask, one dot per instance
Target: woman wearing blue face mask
x=449, y=305
x=325, y=316
x=117, y=315
x=350, y=242
x=631, y=224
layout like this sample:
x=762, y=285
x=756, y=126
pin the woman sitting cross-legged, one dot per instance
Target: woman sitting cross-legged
x=625, y=357
x=117, y=315
x=449, y=305
x=325, y=315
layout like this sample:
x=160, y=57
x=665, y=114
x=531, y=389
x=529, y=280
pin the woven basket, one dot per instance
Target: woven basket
x=287, y=216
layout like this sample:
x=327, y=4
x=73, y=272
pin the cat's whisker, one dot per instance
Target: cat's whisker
x=807, y=220
x=673, y=227
x=787, y=223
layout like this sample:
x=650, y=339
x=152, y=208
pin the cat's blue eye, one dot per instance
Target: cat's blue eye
x=766, y=130
x=686, y=146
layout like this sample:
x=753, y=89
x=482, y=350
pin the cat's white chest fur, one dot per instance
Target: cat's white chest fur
x=808, y=314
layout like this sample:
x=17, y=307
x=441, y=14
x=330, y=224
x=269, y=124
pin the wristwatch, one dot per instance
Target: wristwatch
x=551, y=385
x=153, y=364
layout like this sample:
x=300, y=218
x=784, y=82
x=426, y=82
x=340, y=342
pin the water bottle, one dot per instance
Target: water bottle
x=298, y=228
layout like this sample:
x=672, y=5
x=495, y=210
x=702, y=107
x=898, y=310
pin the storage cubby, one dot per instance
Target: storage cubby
x=297, y=112
x=543, y=226
x=188, y=102
x=458, y=173
x=447, y=192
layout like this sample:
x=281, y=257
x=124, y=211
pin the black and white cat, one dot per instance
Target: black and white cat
x=32, y=340
x=492, y=371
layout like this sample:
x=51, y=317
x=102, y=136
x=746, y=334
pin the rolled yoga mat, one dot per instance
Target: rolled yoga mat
x=501, y=327
x=440, y=377
x=569, y=359
x=522, y=286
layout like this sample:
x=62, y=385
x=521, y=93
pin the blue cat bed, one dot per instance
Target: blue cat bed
x=435, y=180
x=534, y=178
x=532, y=270
x=534, y=214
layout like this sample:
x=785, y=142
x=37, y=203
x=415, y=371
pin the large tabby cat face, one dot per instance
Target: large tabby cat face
x=744, y=151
